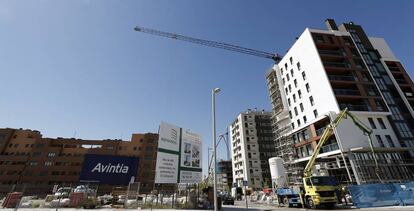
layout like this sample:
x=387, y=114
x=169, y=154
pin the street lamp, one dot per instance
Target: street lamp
x=213, y=105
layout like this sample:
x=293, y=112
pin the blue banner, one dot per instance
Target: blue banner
x=379, y=195
x=108, y=169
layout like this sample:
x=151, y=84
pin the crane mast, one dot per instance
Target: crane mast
x=214, y=44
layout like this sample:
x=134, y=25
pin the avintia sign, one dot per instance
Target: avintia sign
x=119, y=168
x=108, y=169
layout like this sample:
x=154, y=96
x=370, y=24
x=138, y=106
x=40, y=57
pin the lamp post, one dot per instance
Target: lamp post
x=213, y=105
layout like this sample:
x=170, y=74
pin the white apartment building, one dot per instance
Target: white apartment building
x=252, y=145
x=326, y=71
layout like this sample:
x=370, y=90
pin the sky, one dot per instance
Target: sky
x=78, y=69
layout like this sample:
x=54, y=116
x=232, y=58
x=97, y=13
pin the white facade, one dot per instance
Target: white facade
x=310, y=81
x=322, y=73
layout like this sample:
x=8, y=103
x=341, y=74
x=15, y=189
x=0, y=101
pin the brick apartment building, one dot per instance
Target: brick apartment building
x=28, y=158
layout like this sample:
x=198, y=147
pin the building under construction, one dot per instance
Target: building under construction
x=326, y=71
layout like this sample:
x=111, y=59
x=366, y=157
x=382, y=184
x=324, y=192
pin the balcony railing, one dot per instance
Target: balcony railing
x=341, y=77
x=336, y=64
x=346, y=92
x=331, y=52
x=354, y=107
x=400, y=81
x=330, y=147
x=394, y=69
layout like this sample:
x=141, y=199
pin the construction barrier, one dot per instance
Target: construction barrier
x=406, y=193
x=379, y=195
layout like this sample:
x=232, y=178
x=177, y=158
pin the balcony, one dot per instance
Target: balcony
x=353, y=107
x=331, y=52
x=330, y=148
x=394, y=69
x=341, y=77
x=336, y=64
x=346, y=92
x=400, y=81
x=320, y=131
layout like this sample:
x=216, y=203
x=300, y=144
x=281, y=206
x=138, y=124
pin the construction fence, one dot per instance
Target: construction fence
x=379, y=195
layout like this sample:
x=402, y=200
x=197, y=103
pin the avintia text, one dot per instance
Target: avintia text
x=119, y=168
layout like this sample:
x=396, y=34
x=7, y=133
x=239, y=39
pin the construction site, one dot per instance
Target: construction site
x=337, y=132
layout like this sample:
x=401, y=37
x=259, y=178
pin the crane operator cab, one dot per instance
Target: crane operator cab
x=320, y=190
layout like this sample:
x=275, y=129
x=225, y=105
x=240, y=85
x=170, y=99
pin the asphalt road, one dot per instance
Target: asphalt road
x=241, y=205
x=235, y=208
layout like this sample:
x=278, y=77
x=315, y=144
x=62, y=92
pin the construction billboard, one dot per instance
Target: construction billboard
x=108, y=169
x=179, y=155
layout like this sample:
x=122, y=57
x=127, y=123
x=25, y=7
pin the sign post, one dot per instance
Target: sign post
x=245, y=192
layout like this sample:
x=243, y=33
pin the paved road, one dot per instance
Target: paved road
x=236, y=208
x=241, y=205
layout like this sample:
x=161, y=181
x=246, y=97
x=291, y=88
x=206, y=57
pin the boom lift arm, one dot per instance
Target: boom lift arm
x=307, y=172
x=328, y=132
x=214, y=44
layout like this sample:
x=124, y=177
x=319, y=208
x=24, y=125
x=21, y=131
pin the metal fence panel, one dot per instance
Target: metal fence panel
x=405, y=193
x=375, y=195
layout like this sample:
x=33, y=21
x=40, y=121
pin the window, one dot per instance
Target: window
x=290, y=114
x=286, y=90
x=51, y=154
x=298, y=122
x=298, y=65
x=305, y=119
x=283, y=81
x=286, y=66
x=291, y=60
x=291, y=72
x=381, y=123
x=296, y=111
x=315, y=113
x=299, y=94
x=290, y=88
x=293, y=125
x=33, y=163
x=301, y=107
x=295, y=82
x=388, y=97
x=304, y=75
x=289, y=101
x=48, y=163
x=379, y=139
x=311, y=100
x=307, y=87
x=372, y=123
x=389, y=140
x=294, y=98
x=287, y=77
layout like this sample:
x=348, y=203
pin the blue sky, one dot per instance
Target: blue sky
x=71, y=67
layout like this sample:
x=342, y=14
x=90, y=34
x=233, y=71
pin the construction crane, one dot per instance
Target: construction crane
x=214, y=44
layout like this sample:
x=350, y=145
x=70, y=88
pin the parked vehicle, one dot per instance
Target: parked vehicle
x=288, y=196
x=227, y=199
